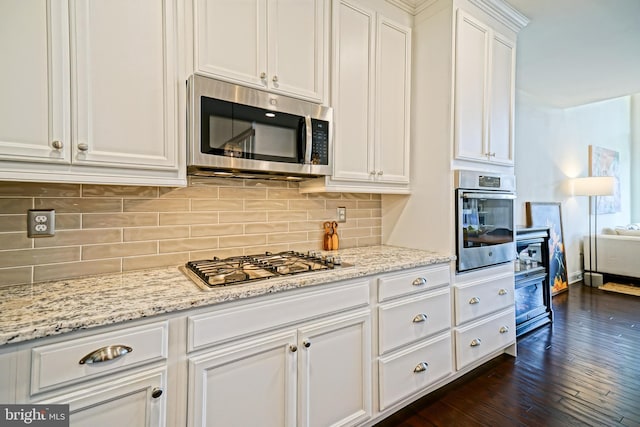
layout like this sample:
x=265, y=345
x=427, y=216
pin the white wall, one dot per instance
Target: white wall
x=552, y=146
x=635, y=157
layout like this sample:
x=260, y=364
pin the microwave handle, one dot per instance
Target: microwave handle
x=308, y=140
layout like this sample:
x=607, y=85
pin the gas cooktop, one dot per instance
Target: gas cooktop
x=215, y=272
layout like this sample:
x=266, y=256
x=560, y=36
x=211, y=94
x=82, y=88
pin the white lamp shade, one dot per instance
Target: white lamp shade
x=593, y=186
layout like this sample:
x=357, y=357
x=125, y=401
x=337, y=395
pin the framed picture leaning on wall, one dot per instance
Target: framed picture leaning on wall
x=549, y=214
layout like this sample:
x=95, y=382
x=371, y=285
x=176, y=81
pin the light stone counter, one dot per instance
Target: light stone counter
x=52, y=308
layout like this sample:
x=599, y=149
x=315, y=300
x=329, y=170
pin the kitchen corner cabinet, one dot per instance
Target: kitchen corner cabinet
x=277, y=45
x=371, y=94
x=484, y=92
x=313, y=369
x=88, y=96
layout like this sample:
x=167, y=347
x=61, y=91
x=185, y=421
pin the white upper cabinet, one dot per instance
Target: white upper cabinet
x=34, y=81
x=371, y=84
x=277, y=45
x=125, y=93
x=484, y=92
x=91, y=94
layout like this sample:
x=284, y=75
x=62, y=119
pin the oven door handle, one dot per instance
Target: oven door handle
x=488, y=196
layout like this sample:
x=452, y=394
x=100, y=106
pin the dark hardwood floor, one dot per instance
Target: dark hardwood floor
x=584, y=370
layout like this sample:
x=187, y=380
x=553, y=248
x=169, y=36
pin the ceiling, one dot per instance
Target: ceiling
x=575, y=52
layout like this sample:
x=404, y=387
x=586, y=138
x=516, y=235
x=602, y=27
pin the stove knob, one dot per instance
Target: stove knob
x=329, y=259
x=337, y=260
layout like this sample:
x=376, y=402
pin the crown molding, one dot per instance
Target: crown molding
x=498, y=9
x=503, y=12
x=412, y=6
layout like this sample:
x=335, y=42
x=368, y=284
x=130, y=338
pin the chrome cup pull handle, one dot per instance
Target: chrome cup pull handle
x=476, y=342
x=105, y=354
x=419, y=281
x=421, y=367
x=474, y=300
x=504, y=329
x=502, y=292
x=419, y=318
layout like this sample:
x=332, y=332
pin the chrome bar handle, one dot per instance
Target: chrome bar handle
x=419, y=281
x=105, y=354
x=421, y=367
x=474, y=300
x=309, y=143
x=419, y=318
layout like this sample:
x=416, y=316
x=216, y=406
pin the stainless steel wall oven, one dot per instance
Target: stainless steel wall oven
x=485, y=227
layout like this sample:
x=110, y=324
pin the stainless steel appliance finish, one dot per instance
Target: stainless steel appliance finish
x=299, y=146
x=243, y=269
x=485, y=225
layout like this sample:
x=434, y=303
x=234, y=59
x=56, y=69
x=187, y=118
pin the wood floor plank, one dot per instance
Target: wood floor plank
x=583, y=370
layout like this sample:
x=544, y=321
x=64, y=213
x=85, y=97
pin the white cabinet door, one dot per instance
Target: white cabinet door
x=296, y=49
x=501, y=113
x=252, y=383
x=484, y=88
x=472, y=50
x=393, y=98
x=125, y=84
x=34, y=81
x=231, y=40
x=136, y=400
x=335, y=371
x=278, y=45
x=353, y=89
x=371, y=96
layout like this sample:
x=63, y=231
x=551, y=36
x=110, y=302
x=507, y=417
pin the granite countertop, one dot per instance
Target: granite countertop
x=52, y=308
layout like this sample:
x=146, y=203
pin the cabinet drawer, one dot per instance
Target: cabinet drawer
x=410, y=371
x=481, y=298
x=413, y=319
x=243, y=320
x=482, y=338
x=58, y=364
x=417, y=280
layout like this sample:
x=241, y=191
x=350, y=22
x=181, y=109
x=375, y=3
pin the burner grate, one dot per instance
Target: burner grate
x=247, y=268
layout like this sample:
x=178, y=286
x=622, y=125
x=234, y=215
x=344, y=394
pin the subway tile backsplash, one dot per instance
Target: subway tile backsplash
x=110, y=228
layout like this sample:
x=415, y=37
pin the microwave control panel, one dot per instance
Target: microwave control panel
x=320, y=142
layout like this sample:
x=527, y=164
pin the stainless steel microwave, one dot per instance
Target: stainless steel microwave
x=235, y=130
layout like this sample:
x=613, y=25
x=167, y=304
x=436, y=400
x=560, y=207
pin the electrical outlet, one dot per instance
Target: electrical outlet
x=41, y=222
x=342, y=214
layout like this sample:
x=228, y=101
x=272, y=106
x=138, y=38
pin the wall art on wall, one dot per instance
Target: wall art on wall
x=606, y=162
x=549, y=215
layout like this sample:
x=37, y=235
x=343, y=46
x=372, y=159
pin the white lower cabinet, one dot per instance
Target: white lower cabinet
x=485, y=314
x=296, y=359
x=136, y=400
x=413, y=369
x=251, y=383
x=117, y=377
x=482, y=338
x=414, y=332
x=313, y=375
